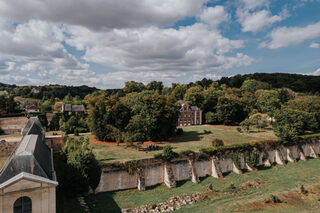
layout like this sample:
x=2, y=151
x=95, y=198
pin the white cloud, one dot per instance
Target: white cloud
x=98, y=14
x=214, y=16
x=286, y=36
x=34, y=52
x=314, y=45
x=317, y=72
x=155, y=49
x=254, y=20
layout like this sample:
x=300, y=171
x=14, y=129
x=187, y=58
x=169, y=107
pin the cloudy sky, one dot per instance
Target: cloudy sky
x=104, y=43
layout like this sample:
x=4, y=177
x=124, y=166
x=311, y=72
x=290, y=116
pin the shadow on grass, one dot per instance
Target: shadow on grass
x=188, y=137
x=181, y=183
x=102, y=202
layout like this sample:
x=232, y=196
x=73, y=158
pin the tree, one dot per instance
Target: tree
x=211, y=118
x=132, y=86
x=268, y=102
x=81, y=169
x=178, y=90
x=194, y=96
x=290, y=123
x=252, y=85
x=155, y=85
x=230, y=110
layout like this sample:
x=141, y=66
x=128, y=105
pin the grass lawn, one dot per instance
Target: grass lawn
x=275, y=181
x=193, y=138
x=3, y=159
x=10, y=136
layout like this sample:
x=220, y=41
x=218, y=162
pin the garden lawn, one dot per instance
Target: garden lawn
x=194, y=138
x=275, y=181
x=3, y=160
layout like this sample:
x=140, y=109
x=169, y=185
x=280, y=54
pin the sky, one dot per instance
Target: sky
x=104, y=43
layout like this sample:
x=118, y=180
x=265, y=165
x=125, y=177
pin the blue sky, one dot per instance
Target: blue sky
x=104, y=44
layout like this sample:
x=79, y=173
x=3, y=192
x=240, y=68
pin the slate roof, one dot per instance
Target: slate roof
x=31, y=156
x=73, y=108
x=31, y=121
x=187, y=107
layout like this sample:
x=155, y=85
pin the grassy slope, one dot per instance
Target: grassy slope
x=277, y=180
x=193, y=138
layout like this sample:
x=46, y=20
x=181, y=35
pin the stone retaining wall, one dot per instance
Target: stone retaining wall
x=13, y=125
x=153, y=172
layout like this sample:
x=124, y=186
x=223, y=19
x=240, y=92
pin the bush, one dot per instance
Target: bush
x=239, y=129
x=217, y=142
x=206, y=131
x=275, y=199
x=1, y=131
x=303, y=190
x=210, y=187
x=179, y=131
x=167, y=154
x=187, y=152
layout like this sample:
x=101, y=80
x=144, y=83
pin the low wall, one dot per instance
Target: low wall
x=13, y=125
x=155, y=171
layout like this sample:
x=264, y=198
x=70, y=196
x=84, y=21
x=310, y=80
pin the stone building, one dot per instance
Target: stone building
x=32, y=108
x=28, y=180
x=76, y=109
x=189, y=115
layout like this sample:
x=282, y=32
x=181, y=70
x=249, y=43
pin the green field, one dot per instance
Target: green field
x=277, y=181
x=194, y=138
x=3, y=160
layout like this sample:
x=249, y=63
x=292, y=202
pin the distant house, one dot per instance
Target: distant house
x=32, y=108
x=189, y=115
x=76, y=109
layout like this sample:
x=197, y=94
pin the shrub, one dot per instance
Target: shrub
x=217, y=142
x=168, y=153
x=1, y=131
x=187, y=152
x=132, y=166
x=206, y=131
x=236, y=160
x=239, y=129
x=275, y=199
x=303, y=190
x=231, y=187
x=210, y=187
x=179, y=131
x=252, y=157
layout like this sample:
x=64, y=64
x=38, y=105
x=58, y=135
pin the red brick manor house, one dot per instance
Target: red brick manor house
x=189, y=115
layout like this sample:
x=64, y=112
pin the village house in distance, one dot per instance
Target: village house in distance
x=189, y=115
x=76, y=109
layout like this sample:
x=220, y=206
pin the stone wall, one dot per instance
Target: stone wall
x=42, y=195
x=152, y=172
x=13, y=125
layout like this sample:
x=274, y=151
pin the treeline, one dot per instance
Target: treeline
x=141, y=112
x=295, y=82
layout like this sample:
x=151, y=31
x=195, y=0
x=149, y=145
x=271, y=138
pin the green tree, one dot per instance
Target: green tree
x=252, y=85
x=178, y=90
x=194, y=96
x=155, y=85
x=81, y=169
x=230, y=110
x=268, y=102
x=133, y=86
